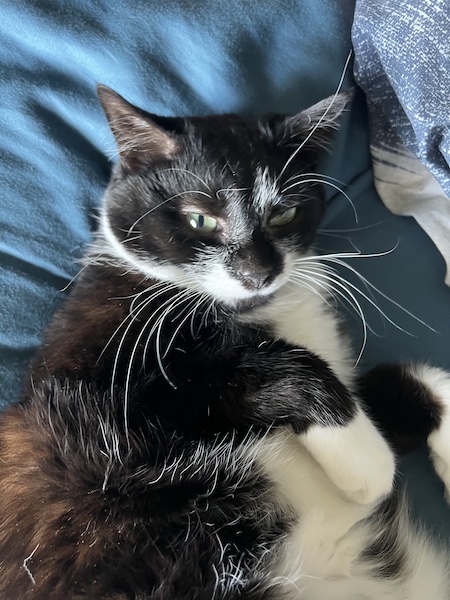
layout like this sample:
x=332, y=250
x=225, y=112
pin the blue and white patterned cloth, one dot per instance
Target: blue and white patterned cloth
x=402, y=62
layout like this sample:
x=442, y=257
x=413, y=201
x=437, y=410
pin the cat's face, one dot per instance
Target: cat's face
x=217, y=204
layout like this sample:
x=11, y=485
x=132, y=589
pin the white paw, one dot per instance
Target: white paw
x=439, y=443
x=356, y=458
x=438, y=383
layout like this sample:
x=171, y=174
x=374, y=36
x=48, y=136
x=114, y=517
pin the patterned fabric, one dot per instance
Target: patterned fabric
x=402, y=62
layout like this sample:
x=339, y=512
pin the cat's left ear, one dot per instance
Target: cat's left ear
x=313, y=126
x=140, y=139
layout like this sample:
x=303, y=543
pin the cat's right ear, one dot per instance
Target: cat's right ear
x=313, y=127
x=139, y=140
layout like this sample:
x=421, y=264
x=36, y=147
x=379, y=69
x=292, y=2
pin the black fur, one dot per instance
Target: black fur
x=401, y=405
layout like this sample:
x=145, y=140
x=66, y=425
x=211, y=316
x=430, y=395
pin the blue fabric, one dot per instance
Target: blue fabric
x=173, y=58
x=403, y=63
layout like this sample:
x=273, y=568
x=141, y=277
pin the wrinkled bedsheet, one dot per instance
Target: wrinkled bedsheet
x=402, y=62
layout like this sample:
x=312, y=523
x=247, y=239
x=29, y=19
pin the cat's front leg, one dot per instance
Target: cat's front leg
x=299, y=389
x=355, y=456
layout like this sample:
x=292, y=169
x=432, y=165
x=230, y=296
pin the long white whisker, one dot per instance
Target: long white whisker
x=189, y=172
x=343, y=283
x=303, y=279
x=245, y=189
x=74, y=278
x=319, y=122
x=378, y=291
x=334, y=186
x=201, y=300
x=193, y=303
x=313, y=174
x=354, y=303
x=132, y=309
x=136, y=346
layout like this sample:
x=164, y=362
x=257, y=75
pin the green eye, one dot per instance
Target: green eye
x=283, y=218
x=202, y=223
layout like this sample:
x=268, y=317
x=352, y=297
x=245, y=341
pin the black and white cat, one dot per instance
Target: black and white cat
x=193, y=428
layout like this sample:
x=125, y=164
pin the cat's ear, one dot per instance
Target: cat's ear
x=139, y=139
x=314, y=125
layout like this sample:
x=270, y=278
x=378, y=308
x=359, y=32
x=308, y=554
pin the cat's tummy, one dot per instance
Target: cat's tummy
x=323, y=555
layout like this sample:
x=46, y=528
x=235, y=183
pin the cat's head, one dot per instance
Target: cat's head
x=219, y=204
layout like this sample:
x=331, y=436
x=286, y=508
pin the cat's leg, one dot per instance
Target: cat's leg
x=328, y=421
x=412, y=404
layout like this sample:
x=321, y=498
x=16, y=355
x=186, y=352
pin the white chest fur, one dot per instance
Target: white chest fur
x=303, y=318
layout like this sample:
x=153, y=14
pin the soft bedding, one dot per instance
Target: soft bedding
x=182, y=57
x=402, y=62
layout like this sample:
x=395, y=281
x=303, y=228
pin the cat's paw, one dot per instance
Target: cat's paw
x=370, y=480
x=437, y=382
x=442, y=468
x=356, y=458
x=439, y=444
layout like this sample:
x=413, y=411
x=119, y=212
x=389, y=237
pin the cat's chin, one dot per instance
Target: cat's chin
x=247, y=305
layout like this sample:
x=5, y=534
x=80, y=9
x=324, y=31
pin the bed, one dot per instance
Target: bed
x=190, y=57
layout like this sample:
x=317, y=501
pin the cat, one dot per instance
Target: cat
x=192, y=427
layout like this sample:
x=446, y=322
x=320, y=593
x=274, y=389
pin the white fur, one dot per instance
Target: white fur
x=266, y=192
x=437, y=382
x=319, y=560
x=303, y=319
x=355, y=457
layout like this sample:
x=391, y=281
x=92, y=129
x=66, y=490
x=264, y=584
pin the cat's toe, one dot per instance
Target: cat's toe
x=371, y=480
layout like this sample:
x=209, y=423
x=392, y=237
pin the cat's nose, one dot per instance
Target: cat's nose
x=255, y=280
x=256, y=265
x=253, y=272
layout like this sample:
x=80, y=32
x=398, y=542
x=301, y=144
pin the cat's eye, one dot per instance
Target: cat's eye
x=202, y=223
x=283, y=218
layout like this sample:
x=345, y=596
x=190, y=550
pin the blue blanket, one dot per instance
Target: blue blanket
x=181, y=57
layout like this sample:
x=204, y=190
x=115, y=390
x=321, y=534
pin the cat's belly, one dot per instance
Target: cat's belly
x=319, y=546
x=321, y=556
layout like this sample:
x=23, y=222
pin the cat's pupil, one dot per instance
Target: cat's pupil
x=202, y=223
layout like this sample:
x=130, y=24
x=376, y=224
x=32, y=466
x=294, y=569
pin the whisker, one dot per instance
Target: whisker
x=189, y=172
x=353, y=302
x=233, y=189
x=66, y=287
x=132, y=310
x=201, y=300
x=183, y=321
x=313, y=174
x=301, y=278
x=158, y=344
x=349, y=230
x=320, y=121
x=136, y=347
x=334, y=186
x=334, y=259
